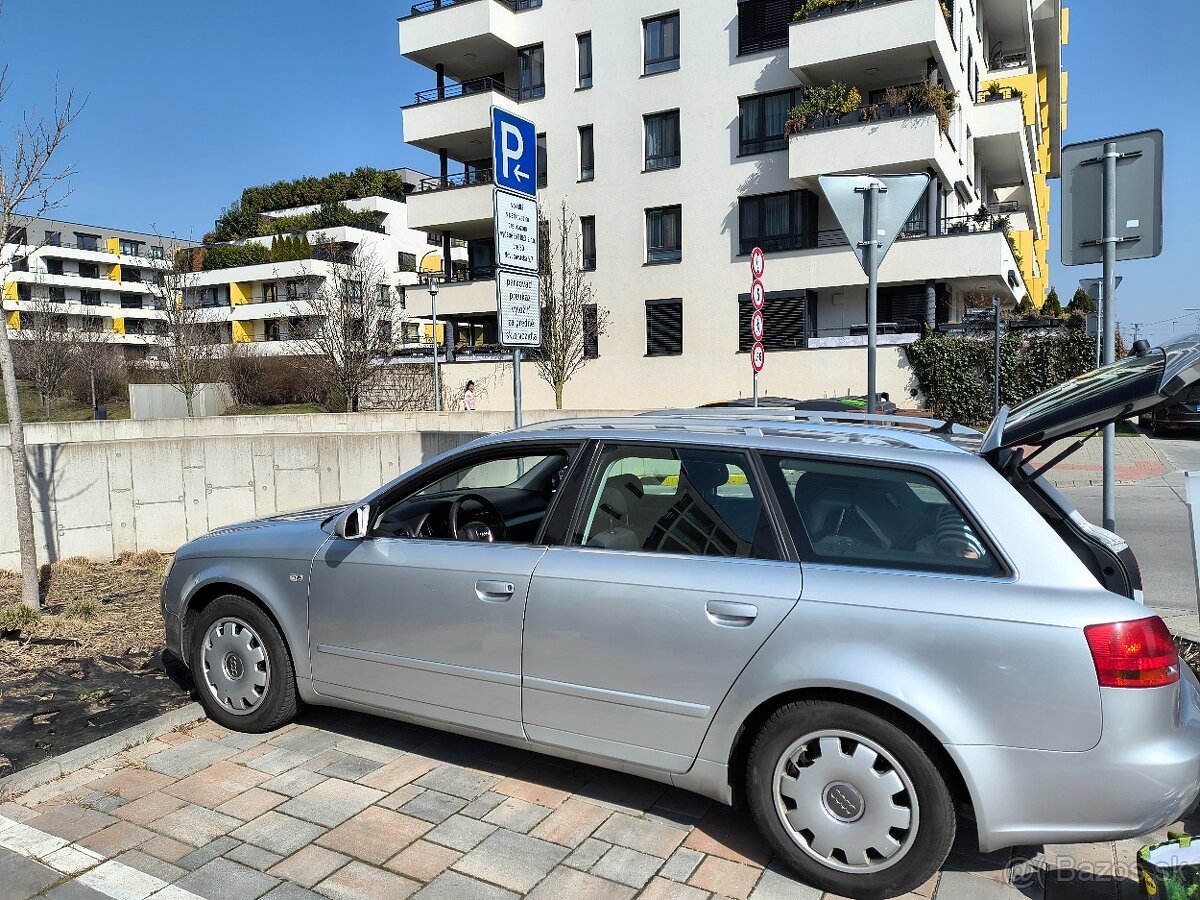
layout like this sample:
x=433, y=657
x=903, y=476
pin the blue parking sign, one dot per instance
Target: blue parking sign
x=514, y=153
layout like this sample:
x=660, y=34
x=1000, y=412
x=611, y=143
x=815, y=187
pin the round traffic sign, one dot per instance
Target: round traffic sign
x=758, y=294
x=758, y=262
x=758, y=356
x=756, y=324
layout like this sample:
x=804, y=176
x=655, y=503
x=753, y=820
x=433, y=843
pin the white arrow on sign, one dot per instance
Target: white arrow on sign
x=520, y=173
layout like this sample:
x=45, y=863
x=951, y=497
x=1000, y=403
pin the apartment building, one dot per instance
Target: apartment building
x=665, y=127
x=96, y=277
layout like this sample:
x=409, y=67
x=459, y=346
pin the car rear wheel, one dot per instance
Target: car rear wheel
x=243, y=671
x=852, y=801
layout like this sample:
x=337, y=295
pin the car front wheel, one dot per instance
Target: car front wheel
x=852, y=801
x=242, y=668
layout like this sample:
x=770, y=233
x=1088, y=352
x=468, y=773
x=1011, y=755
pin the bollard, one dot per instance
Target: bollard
x=1191, y=482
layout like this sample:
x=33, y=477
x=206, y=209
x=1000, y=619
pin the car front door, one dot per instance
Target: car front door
x=670, y=580
x=414, y=620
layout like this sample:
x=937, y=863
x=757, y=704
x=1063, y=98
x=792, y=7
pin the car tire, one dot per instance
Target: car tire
x=1156, y=430
x=242, y=668
x=852, y=759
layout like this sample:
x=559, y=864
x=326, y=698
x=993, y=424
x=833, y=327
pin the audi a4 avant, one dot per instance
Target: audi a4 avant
x=871, y=633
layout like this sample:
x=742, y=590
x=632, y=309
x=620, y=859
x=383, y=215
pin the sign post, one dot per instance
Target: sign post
x=758, y=297
x=1112, y=210
x=514, y=200
x=872, y=210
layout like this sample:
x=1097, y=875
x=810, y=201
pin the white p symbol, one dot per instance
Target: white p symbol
x=512, y=146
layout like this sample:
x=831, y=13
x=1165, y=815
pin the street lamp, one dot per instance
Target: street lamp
x=433, y=279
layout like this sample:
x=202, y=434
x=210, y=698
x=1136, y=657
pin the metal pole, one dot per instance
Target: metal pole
x=871, y=252
x=1108, y=302
x=996, y=360
x=756, y=390
x=437, y=377
x=517, y=387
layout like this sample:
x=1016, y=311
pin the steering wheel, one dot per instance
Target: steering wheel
x=477, y=529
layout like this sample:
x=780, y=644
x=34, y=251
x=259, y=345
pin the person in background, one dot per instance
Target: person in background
x=469, y=397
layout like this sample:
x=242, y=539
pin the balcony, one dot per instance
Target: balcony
x=892, y=141
x=1003, y=142
x=470, y=38
x=460, y=205
x=891, y=39
x=457, y=117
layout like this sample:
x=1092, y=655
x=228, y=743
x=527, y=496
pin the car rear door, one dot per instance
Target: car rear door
x=670, y=579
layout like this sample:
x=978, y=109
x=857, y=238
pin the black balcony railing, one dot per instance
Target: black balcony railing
x=999, y=92
x=428, y=6
x=463, y=274
x=1010, y=59
x=463, y=179
x=465, y=89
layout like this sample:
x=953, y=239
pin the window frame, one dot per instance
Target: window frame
x=587, y=228
x=583, y=79
x=525, y=61
x=754, y=469
x=660, y=64
x=673, y=301
x=793, y=240
x=763, y=141
x=587, y=153
x=663, y=254
x=665, y=161
x=1004, y=569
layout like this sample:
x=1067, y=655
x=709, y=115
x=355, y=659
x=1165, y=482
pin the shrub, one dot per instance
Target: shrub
x=270, y=380
x=228, y=256
x=1026, y=309
x=1081, y=303
x=1051, y=308
x=112, y=382
x=833, y=99
x=813, y=6
x=955, y=373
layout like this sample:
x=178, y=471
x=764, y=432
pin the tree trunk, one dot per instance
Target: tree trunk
x=187, y=396
x=24, y=506
x=92, y=380
x=558, y=391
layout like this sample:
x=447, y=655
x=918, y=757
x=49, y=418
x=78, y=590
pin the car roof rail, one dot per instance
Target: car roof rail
x=815, y=416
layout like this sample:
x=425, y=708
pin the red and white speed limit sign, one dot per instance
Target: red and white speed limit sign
x=758, y=356
x=756, y=325
x=758, y=294
x=758, y=262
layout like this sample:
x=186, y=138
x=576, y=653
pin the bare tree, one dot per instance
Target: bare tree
x=350, y=320
x=29, y=188
x=191, y=342
x=47, y=345
x=96, y=359
x=570, y=317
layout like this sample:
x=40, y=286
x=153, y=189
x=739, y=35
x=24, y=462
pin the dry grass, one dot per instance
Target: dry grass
x=89, y=608
x=1189, y=653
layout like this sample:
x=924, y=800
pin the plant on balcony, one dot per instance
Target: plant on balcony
x=820, y=104
x=959, y=227
x=228, y=256
x=929, y=96
x=947, y=14
x=812, y=7
x=1017, y=257
x=289, y=247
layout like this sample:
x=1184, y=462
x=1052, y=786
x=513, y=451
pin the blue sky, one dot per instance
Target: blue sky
x=189, y=103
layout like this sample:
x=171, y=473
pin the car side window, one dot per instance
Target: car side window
x=500, y=499
x=675, y=500
x=878, y=517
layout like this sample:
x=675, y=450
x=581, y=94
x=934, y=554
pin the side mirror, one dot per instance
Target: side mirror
x=355, y=524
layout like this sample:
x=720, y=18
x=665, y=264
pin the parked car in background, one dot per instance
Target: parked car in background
x=1181, y=415
x=874, y=635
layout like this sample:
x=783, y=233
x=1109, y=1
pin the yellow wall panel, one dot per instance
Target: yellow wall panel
x=10, y=291
x=427, y=331
x=14, y=320
x=115, y=274
x=118, y=326
x=1066, y=27
x=114, y=245
x=243, y=332
x=240, y=292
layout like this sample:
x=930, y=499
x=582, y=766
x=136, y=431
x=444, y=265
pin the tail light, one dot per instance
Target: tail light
x=1133, y=654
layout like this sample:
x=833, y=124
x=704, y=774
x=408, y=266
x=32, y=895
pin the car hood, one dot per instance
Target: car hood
x=1120, y=390
x=292, y=535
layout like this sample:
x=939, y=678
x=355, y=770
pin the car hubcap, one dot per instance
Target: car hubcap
x=236, y=667
x=846, y=801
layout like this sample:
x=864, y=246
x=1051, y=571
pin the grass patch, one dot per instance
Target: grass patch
x=16, y=616
x=61, y=410
x=284, y=410
x=85, y=610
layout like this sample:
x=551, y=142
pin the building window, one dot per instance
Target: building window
x=131, y=248
x=662, y=140
x=291, y=290
x=542, y=160
x=383, y=331
x=89, y=298
x=591, y=331
x=587, y=230
x=87, y=241
x=664, y=234
x=270, y=292
x=58, y=295
x=763, y=24
x=385, y=294
x=354, y=291
x=481, y=255
x=406, y=262
x=585, y=59
x=89, y=270
x=433, y=239
x=208, y=296
x=156, y=252
x=54, y=267
x=662, y=43
x=903, y=306
x=133, y=276
x=762, y=119
x=532, y=65
x=785, y=313
x=53, y=238
x=664, y=327
x=131, y=301
x=587, y=154
x=775, y=222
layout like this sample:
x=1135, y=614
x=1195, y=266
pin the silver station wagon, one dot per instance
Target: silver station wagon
x=872, y=634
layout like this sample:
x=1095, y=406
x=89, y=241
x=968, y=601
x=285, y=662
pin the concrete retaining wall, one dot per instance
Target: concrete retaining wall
x=102, y=488
x=164, y=401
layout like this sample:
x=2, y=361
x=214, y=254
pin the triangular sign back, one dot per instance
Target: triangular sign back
x=897, y=199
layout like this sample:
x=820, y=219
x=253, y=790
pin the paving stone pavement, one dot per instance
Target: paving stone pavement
x=349, y=807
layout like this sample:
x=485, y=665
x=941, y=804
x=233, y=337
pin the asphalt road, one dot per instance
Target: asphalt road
x=1153, y=517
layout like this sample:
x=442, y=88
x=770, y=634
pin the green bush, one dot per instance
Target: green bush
x=1081, y=304
x=1051, y=308
x=228, y=256
x=955, y=373
x=812, y=6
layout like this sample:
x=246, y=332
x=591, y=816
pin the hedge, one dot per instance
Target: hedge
x=227, y=256
x=955, y=373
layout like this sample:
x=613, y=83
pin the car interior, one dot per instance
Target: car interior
x=499, y=500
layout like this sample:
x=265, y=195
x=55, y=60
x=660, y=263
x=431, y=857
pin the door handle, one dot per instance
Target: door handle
x=494, y=591
x=731, y=613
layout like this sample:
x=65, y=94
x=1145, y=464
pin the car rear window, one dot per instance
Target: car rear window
x=876, y=516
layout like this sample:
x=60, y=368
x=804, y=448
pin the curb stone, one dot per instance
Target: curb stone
x=81, y=757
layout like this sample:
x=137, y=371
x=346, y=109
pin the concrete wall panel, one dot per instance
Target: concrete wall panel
x=157, y=470
x=160, y=525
